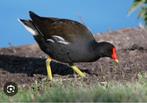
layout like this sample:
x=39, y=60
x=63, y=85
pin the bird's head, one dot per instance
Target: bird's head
x=106, y=49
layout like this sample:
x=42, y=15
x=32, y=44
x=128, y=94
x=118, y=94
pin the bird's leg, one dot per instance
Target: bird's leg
x=77, y=70
x=49, y=72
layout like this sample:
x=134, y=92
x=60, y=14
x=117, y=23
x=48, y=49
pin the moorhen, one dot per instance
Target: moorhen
x=67, y=41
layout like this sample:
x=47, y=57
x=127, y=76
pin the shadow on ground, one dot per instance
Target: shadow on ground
x=32, y=65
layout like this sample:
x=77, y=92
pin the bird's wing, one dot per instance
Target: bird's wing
x=61, y=29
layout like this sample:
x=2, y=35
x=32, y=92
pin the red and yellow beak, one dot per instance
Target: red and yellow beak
x=114, y=55
x=116, y=60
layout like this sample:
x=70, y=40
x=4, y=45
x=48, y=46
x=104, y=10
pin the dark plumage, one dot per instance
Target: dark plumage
x=66, y=40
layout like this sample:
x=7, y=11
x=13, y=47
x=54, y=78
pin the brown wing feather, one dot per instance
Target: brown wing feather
x=68, y=29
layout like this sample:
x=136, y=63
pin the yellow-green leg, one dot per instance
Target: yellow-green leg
x=78, y=71
x=49, y=72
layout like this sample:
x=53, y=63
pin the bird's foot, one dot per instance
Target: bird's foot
x=77, y=70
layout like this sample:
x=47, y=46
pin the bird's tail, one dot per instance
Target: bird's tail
x=36, y=34
x=34, y=16
x=29, y=26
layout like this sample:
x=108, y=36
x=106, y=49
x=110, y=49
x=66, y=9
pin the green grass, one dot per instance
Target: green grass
x=78, y=90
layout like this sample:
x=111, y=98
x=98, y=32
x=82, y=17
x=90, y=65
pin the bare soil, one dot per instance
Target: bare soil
x=26, y=64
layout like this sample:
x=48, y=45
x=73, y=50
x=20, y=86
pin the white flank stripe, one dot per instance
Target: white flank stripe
x=63, y=42
x=28, y=28
x=51, y=40
x=59, y=39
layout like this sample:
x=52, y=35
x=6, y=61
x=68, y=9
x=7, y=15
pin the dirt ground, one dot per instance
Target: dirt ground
x=25, y=64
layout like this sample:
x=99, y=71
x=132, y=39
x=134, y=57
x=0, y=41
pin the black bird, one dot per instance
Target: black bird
x=67, y=41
